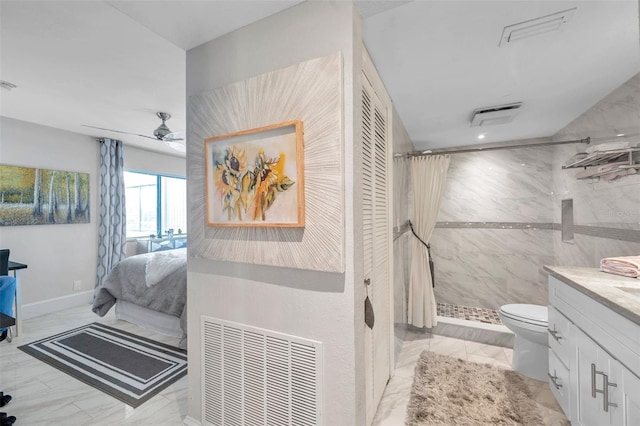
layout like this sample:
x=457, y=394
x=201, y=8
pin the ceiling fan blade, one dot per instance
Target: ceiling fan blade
x=175, y=136
x=120, y=131
x=180, y=147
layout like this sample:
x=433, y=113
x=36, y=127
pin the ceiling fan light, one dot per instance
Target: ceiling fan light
x=161, y=131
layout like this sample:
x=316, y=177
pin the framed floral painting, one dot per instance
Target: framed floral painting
x=256, y=177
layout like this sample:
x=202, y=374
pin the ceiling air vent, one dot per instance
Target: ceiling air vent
x=535, y=27
x=491, y=116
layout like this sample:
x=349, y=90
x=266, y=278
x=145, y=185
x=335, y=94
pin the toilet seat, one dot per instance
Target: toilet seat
x=529, y=314
x=529, y=324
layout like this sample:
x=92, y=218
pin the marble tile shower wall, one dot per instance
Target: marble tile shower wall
x=597, y=203
x=483, y=267
x=499, y=186
x=491, y=267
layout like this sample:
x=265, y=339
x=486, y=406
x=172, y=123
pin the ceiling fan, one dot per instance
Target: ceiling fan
x=162, y=133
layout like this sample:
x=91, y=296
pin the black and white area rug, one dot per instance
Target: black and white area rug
x=128, y=367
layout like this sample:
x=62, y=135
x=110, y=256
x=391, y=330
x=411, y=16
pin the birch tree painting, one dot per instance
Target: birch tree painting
x=31, y=196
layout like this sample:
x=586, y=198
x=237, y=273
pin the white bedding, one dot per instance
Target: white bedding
x=166, y=296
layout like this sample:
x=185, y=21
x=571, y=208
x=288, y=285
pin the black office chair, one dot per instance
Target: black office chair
x=4, y=261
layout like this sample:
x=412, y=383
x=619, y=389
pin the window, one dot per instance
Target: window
x=155, y=204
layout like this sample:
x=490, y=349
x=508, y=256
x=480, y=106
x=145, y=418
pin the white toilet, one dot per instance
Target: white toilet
x=529, y=323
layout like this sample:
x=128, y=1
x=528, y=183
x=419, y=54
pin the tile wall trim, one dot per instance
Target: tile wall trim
x=496, y=225
x=631, y=235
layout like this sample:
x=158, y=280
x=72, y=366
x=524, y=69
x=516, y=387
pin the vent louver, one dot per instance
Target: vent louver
x=253, y=376
x=535, y=27
x=491, y=116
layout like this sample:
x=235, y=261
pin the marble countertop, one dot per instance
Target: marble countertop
x=620, y=294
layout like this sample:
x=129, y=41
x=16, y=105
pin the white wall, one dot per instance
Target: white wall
x=59, y=254
x=56, y=254
x=314, y=305
x=140, y=160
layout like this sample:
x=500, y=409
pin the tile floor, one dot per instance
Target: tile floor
x=43, y=395
x=469, y=313
x=392, y=408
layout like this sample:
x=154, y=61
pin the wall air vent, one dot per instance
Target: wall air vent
x=535, y=27
x=491, y=116
x=253, y=376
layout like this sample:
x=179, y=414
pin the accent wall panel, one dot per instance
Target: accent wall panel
x=311, y=92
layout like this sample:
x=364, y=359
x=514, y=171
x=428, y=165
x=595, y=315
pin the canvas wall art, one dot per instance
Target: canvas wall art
x=256, y=177
x=32, y=196
x=309, y=91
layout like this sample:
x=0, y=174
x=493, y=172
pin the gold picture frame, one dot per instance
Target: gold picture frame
x=255, y=177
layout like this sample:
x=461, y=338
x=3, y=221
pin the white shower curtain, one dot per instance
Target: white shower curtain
x=429, y=175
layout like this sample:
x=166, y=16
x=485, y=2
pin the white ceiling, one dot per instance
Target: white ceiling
x=89, y=63
x=441, y=60
x=115, y=64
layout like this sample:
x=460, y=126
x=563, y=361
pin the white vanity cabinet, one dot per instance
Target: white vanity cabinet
x=594, y=359
x=599, y=386
x=631, y=398
x=561, y=347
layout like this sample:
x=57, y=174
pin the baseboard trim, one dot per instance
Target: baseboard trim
x=190, y=421
x=32, y=310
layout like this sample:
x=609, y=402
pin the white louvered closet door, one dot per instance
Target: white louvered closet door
x=375, y=218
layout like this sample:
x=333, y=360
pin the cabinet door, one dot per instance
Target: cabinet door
x=559, y=383
x=599, y=400
x=560, y=338
x=631, y=398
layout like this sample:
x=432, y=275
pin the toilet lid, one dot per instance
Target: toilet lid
x=532, y=314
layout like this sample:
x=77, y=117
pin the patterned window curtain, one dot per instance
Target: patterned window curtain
x=112, y=224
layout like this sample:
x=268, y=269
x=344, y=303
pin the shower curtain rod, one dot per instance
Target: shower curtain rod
x=460, y=150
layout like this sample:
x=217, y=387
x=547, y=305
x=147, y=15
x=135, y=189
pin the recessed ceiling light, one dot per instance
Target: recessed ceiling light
x=481, y=136
x=620, y=135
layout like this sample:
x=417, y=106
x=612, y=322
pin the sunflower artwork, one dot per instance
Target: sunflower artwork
x=254, y=177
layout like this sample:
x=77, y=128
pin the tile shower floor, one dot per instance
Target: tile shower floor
x=485, y=315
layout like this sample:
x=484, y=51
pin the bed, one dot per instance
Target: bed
x=149, y=290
